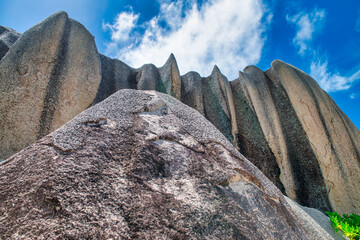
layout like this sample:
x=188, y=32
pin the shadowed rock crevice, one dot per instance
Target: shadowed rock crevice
x=115, y=75
x=53, y=87
x=251, y=140
x=309, y=184
x=191, y=91
x=216, y=103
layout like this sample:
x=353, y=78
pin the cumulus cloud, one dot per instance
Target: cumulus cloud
x=228, y=33
x=124, y=24
x=306, y=24
x=331, y=82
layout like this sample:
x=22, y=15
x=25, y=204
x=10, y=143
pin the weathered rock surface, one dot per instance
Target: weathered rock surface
x=170, y=77
x=8, y=37
x=321, y=138
x=218, y=104
x=47, y=77
x=191, y=91
x=279, y=119
x=270, y=128
x=115, y=75
x=141, y=165
x=316, y=224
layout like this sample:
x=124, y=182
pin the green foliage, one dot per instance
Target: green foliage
x=348, y=224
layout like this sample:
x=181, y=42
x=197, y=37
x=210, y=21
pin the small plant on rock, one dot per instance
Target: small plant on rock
x=348, y=224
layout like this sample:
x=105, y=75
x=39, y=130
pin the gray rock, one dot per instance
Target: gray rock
x=115, y=75
x=140, y=165
x=191, y=91
x=253, y=107
x=148, y=78
x=323, y=145
x=280, y=119
x=315, y=223
x=170, y=77
x=218, y=104
x=49, y=76
x=8, y=37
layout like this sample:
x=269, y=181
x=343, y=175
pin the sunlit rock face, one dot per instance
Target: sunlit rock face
x=280, y=119
x=142, y=165
x=47, y=77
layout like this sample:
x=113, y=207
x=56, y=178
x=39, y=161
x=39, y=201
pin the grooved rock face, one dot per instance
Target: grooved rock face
x=49, y=76
x=279, y=119
x=140, y=165
x=255, y=113
x=329, y=141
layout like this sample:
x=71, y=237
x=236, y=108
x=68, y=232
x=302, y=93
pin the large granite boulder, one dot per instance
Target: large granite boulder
x=323, y=144
x=142, y=165
x=47, y=77
x=8, y=37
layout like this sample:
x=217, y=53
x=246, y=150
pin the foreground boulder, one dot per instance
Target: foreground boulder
x=47, y=77
x=141, y=165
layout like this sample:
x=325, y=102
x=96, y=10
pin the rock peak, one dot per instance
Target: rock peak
x=280, y=119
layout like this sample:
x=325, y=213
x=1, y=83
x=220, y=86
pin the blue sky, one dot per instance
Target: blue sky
x=320, y=37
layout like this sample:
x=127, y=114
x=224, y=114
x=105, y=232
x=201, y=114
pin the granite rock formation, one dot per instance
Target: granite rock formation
x=47, y=77
x=263, y=115
x=280, y=119
x=141, y=165
x=8, y=37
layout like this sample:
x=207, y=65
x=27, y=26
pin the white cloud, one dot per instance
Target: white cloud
x=306, y=24
x=328, y=81
x=354, y=96
x=228, y=33
x=124, y=24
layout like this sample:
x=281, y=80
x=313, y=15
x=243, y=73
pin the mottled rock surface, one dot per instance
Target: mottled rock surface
x=140, y=165
x=191, y=91
x=279, y=119
x=316, y=223
x=8, y=37
x=49, y=76
x=218, y=104
x=321, y=138
x=170, y=77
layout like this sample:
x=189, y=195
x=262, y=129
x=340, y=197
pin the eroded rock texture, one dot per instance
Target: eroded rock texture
x=8, y=37
x=321, y=138
x=47, y=77
x=279, y=119
x=284, y=123
x=141, y=165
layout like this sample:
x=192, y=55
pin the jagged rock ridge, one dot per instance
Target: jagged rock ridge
x=142, y=165
x=281, y=120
